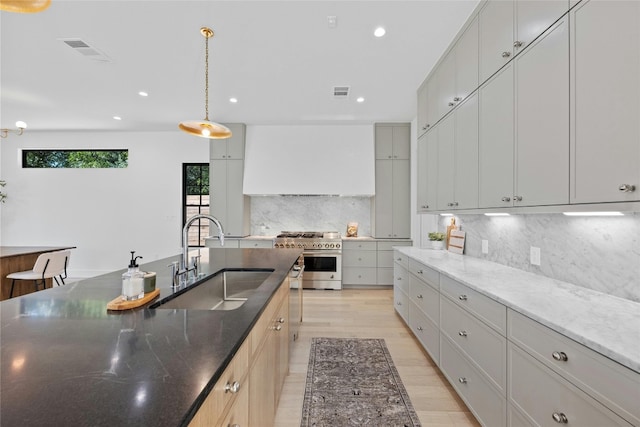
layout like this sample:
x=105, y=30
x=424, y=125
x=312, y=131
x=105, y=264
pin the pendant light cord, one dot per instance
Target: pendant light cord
x=206, y=78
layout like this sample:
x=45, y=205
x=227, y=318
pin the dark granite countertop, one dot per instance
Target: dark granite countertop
x=65, y=360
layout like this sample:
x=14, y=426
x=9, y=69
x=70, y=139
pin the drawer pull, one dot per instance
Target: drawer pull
x=560, y=356
x=462, y=297
x=278, y=327
x=560, y=418
x=232, y=388
x=419, y=328
x=462, y=333
x=462, y=380
x=281, y=320
x=420, y=296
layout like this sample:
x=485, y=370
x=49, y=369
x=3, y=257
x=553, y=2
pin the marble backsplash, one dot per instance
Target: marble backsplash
x=600, y=253
x=272, y=214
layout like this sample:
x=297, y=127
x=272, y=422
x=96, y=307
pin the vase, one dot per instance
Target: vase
x=437, y=244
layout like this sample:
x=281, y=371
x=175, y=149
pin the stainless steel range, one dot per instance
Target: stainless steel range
x=322, y=253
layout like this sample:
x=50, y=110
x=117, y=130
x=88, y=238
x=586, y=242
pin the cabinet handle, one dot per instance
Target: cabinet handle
x=278, y=327
x=398, y=259
x=560, y=418
x=451, y=104
x=232, y=388
x=449, y=204
x=419, y=271
x=506, y=199
x=462, y=380
x=424, y=127
x=420, y=296
x=428, y=125
x=560, y=356
x=281, y=320
x=419, y=328
x=425, y=206
x=627, y=188
x=517, y=43
x=506, y=54
x=462, y=297
x=454, y=204
x=457, y=99
x=517, y=198
x=399, y=303
x=462, y=333
x=399, y=278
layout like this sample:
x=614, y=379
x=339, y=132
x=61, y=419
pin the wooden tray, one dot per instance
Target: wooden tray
x=119, y=304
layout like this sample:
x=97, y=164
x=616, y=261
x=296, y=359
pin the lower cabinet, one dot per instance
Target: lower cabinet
x=369, y=262
x=248, y=391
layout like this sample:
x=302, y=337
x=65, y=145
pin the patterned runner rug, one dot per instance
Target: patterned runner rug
x=353, y=382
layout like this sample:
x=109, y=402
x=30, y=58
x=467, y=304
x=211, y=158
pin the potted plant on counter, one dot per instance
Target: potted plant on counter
x=437, y=240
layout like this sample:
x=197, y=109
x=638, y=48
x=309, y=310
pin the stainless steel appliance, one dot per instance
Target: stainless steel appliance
x=322, y=253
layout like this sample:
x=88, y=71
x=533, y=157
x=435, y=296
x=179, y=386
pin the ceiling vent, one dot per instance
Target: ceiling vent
x=85, y=50
x=341, y=92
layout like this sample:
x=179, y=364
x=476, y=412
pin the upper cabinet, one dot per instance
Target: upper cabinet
x=605, y=98
x=427, y=171
x=230, y=148
x=392, y=141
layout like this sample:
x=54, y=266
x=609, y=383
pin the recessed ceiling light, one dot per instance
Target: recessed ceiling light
x=141, y=93
x=117, y=118
x=379, y=32
x=360, y=99
x=233, y=100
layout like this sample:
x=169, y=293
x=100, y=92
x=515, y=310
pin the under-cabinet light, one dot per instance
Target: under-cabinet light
x=593, y=213
x=497, y=214
x=446, y=214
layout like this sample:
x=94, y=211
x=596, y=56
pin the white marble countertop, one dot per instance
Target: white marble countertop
x=606, y=324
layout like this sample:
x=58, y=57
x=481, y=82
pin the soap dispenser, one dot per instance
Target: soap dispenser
x=133, y=280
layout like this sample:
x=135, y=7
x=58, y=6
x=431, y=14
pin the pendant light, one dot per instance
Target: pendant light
x=205, y=128
x=24, y=6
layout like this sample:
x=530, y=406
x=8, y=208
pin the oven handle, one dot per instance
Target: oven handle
x=321, y=253
x=298, y=270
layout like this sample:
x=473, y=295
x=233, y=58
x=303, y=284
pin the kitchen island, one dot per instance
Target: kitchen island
x=66, y=360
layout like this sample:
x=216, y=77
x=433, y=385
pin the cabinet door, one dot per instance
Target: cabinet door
x=467, y=57
x=466, y=154
x=432, y=169
x=235, y=144
x=218, y=192
x=496, y=36
x=262, y=378
x=496, y=140
x=421, y=185
x=447, y=84
x=542, y=127
x=384, y=142
x=401, y=199
x=422, y=109
x=384, y=198
x=446, y=171
x=235, y=199
x=533, y=17
x=432, y=100
x=282, y=356
x=401, y=142
x=605, y=98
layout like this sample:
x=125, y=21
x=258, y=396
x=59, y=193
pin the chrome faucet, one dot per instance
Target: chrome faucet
x=185, y=268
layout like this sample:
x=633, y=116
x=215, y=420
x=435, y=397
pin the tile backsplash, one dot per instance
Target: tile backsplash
x=600, y=253
x=273, y=214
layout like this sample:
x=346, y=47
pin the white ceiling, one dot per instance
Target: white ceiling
x=279, y=58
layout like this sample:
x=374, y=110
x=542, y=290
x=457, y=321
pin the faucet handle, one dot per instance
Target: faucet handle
x=174, y=266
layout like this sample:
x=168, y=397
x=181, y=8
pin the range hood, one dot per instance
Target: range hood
x=310, y=160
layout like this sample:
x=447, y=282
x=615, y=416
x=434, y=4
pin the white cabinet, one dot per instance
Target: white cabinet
x=605, y=99
x=255, y=243
x=427, y=173
x=228, y=204
x=230, y=148
x=359, y=262
x=384, y=261
x=496, y=36
x=467, y=62
x=533, y=17
x=446, y=163
x=392, y=201
x=423, y=114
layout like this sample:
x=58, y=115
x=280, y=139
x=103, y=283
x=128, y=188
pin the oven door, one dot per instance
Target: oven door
x=322, y=270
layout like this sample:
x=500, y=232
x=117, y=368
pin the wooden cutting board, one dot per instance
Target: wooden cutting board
x=456, y=241
x=120, y=304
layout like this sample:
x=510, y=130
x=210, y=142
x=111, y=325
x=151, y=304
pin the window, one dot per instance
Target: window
x=75, y=158
x=195, y=200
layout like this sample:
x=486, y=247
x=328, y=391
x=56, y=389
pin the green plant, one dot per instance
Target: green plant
x=434, y=235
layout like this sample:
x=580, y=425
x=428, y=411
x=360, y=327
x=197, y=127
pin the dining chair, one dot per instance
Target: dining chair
x=48, y=265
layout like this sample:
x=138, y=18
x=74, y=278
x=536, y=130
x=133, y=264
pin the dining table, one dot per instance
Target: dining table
x=22, y=258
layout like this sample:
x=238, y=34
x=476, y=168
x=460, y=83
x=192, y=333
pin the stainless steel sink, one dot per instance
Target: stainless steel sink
x=226, y=290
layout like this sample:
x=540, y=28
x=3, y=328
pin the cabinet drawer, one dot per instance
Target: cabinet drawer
x=248, y=243
x=583, y=367
x=359, y=276
x=480, y=343
x=426, y=331
x=385, y=276
x=359, y=245
x=400, y=258
x=483, y=400
x=426, y=274
x=213, y=242
x=489, y=311
x=387, y=245
x=554, y=396
x=425, y=298
x=359, y=258
x=384, y=258
x=401, y=303
x=401, y=278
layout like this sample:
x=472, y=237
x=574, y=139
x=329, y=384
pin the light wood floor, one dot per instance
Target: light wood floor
x=363, y=313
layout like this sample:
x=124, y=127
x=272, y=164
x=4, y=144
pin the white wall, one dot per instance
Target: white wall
x=104, y=212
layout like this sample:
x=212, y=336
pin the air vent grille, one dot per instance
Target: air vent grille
x=84, y=49
x=341, y=92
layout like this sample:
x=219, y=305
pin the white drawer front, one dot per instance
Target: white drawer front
x=401, y=259
x=426, y=274
x=426, y=332
x=480, y=343
x=359, y=258
x=359, y=245
x=401, y=304
x=485, y=402
x=583, y=367
x=426, y=298
x=489, y=311
x=387, y=245
x=401, y=278
x=358, y=276
x=247, y=243
x=385, y=276
x=541, y=395
x=215, y=243
x=385, y=258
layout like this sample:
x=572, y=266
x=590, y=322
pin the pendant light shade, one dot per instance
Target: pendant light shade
x=24, y=6
x=205, y=128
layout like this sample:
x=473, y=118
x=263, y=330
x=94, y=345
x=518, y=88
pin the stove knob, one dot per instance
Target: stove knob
x=300, y=245
x=326, y=245
x=331, y=245
x=337, y=245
